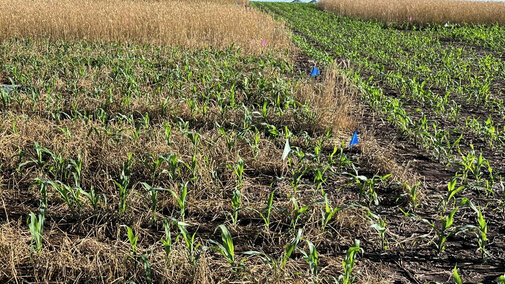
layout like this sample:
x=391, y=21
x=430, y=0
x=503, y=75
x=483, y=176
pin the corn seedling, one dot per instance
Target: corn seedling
x=39, y=160
x=455, y=275
x=236, y=203
x=265, y=214
x=36, y=226
x=123, y=184
x=167, y=241
x=70, y=195
x=348, y=263
x=481, y=231
x=93, y=198
x=501, y=279
x=297, y=212
x=168, y=133
x=328, y=212
x=452, y=190
x=341, y=160
x=290, y=248
x=147, y=268
x=379, y=224
x=412, y=193
x=181, y=199
x=153, y=193
x=367, y=186
x=297, y=171
x=238, y=169
x=229, y=139
x=446, y=229
x=473, y=164
x=311, y=257
x=173, y=165
x=133, y=240
x=192, y=252
x=227, y=249
x=43, y=184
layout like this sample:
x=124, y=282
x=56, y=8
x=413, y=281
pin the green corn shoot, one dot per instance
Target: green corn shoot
x=93, y=198
x=455, y=275
x=453, y=190
x=290, y=248
x=191, y=247
x=147, y=268
x=348, y=263
x=36, y=226
x=481, y=231
x=311, y=257
x=265, y=214
x=227, y=249
x=238, y=169
x=236, y=202
x=181, y=199
x=167, y=241
x=328, y=212
x=133, y=240
x=297, y=212
x=123, y=184
x=153, y=193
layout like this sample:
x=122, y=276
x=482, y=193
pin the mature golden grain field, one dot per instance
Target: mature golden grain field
x=431, y=11
x=191, y=24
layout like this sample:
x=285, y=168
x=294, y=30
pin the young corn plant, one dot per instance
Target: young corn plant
x=124, y=183
x=36, y=226
x=43, y=186
x=133, y=240
x=238, y=170
x=173, y=165
x=297, y=212
x=147, y=268
x=412, y=193
x=153, y=194
x=455, y=275
x=290, y=248
x=446, y=228
x=312, y=257
x=168, y=133
x=236, y=203
x=481, y=231
x=474, y=165
x=192, y=252
x=181, y=199
x=226, y=249
x=348, y=263
x=328, y=212
x=93, y=198
x=70, y=195
x=267, y=211
x=367, y=186
x=452, y=190
x=379, y=224
x=167, y=241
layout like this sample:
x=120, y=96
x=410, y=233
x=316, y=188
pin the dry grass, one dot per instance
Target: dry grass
x=429, y=11
x=236, y=2
x=191, y=24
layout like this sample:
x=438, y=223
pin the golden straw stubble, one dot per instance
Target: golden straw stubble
x=429, y=11
x=192, y=24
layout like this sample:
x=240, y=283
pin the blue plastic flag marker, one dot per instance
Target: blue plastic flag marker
x=354, y=139
x=314, y=71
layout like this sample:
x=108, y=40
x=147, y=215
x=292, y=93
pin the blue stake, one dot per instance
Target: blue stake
x=354, y=139
x=314, y=71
